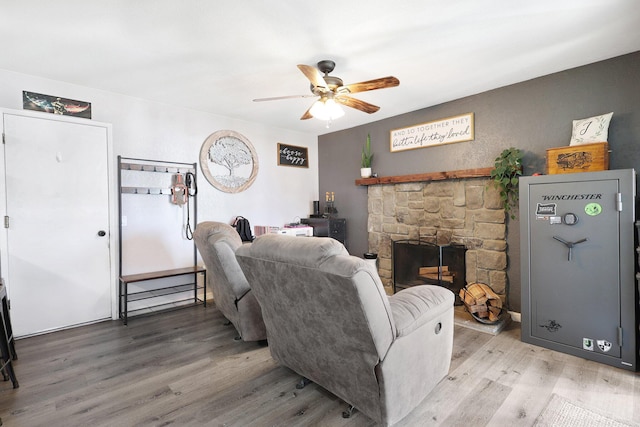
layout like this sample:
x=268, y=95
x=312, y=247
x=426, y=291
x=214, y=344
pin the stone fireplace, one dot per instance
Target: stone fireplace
x=465, y=212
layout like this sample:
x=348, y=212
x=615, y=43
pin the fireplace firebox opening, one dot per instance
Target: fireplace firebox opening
x=417, y=262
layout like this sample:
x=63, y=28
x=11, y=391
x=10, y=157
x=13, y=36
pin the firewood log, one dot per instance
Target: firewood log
x=434, y=276
x=482, y=301
x=427, y=270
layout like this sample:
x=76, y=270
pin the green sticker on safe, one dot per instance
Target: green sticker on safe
x=593, y=209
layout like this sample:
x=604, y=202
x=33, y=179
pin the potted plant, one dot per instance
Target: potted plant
x=505, y=176
x=367, y=155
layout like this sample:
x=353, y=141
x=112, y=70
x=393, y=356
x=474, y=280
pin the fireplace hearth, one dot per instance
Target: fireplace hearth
x=417, y=262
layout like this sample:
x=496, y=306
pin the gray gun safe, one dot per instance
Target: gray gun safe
x=578, y=265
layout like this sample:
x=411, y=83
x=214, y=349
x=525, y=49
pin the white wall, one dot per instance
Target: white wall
x=160, y=131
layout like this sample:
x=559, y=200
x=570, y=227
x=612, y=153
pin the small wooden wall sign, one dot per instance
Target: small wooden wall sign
x=439, y=132
x=291, y=155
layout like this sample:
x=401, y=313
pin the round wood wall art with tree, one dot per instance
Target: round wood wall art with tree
x=228, y=161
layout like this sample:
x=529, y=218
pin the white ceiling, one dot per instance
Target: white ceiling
x=217, y=56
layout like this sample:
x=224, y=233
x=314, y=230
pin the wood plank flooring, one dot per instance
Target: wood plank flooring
x=183, y=368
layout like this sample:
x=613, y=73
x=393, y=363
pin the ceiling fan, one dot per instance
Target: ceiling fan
x=332, y=91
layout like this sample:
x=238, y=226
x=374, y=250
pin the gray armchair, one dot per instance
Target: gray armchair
x=329, y=319
x=217, y=243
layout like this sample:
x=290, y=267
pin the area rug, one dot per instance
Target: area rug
x=561, y=412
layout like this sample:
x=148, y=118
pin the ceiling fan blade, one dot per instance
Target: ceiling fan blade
x=275, y=98
x=307, y=115
x=314, y=75
x=380, y=83
x=357, y=104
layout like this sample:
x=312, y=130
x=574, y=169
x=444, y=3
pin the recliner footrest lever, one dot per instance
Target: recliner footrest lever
x=350, y=410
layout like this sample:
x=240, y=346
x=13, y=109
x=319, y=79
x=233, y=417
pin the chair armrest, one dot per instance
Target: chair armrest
x=415, y=306
x=238, y=283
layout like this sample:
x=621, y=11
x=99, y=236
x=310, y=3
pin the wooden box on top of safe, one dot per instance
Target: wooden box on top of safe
x=578, y=158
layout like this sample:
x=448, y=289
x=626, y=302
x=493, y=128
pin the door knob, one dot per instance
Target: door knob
x=102, y=233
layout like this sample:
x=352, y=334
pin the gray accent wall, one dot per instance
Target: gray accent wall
x=533, y=115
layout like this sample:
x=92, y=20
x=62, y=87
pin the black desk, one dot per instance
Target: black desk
x=328, y=227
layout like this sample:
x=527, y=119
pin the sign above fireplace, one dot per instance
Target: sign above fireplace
x=445, y=131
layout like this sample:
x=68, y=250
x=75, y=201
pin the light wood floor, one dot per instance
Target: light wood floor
x=183, y=368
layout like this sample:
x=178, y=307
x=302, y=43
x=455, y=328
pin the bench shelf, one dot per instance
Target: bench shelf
x=126, y=297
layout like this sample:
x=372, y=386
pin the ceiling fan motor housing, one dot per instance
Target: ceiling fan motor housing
x=333, y=83
x=326, y=66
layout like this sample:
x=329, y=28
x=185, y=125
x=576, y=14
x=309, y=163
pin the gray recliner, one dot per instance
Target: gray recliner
x=217, y=243
x=329, y=319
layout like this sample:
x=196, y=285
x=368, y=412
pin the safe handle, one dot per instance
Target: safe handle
x=569, y=245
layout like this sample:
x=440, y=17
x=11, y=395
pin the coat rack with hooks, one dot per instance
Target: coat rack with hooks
x=158, y=296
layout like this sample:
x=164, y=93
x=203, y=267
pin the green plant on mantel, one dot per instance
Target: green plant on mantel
x=367, y=155
x=505, y=176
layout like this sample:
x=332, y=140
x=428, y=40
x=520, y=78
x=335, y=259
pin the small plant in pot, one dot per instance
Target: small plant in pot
x=505, y=176
x=367, y=156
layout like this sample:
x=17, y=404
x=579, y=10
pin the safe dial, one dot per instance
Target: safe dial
x=570, y=218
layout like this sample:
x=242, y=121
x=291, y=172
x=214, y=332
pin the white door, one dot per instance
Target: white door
x=57, y=202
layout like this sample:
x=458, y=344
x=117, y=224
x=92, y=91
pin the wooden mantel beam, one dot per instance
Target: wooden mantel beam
x=430, y=176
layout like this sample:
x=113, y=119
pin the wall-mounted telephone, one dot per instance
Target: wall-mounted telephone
x=190, y=182
x=181, y=189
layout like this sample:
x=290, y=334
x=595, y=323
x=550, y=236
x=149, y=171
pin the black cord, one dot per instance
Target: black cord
x=188, y=232
x=190, y=179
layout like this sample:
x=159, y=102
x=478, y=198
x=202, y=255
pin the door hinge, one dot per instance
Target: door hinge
x=620, y=336
x=619, y=202
x=6, y=221
x=3, y=137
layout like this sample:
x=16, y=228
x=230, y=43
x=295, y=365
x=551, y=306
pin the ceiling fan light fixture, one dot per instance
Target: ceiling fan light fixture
x=326, y=109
